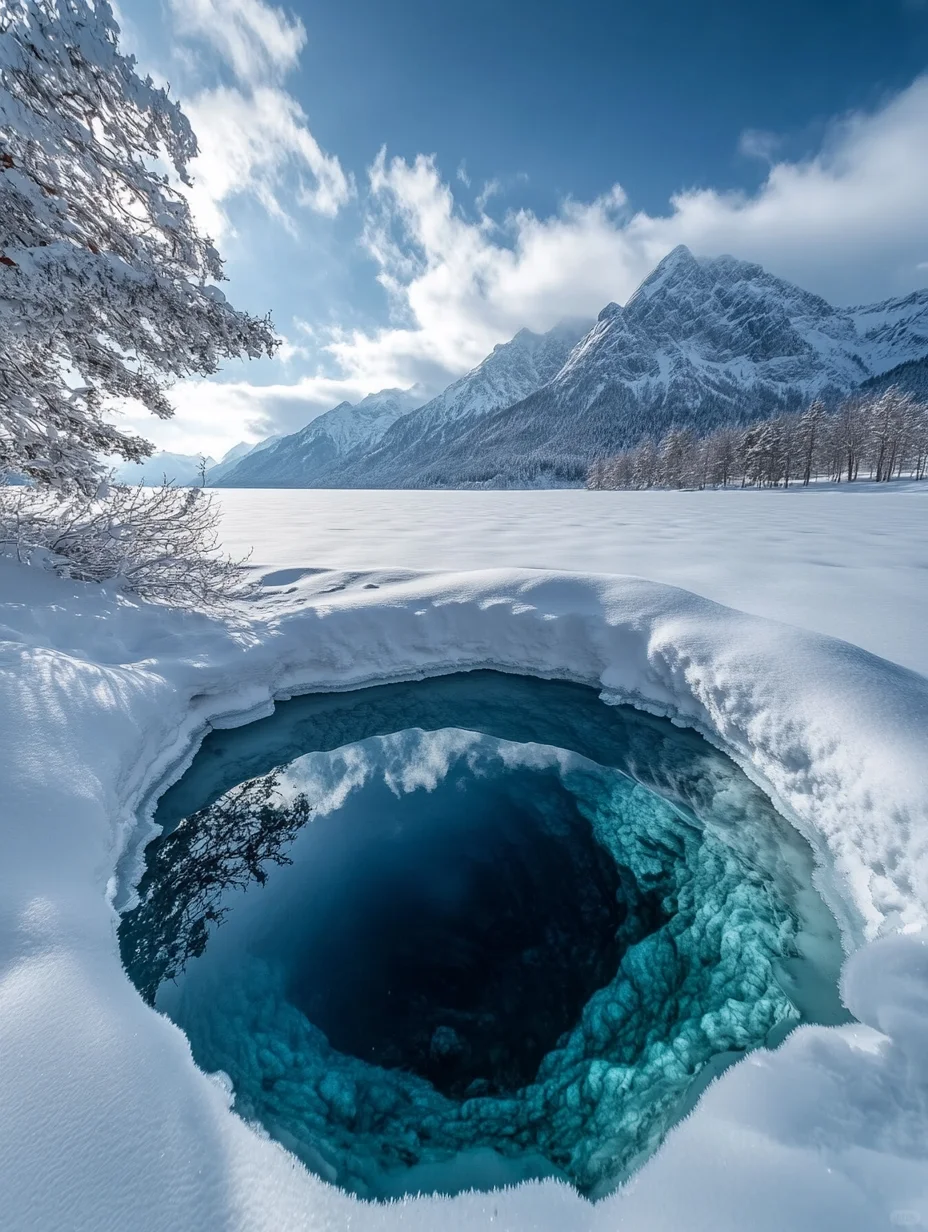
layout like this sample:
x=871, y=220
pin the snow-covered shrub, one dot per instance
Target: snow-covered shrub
x=104, y=281
x=159, y=543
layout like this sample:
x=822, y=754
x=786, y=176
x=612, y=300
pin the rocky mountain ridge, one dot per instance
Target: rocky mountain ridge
x=703, y=341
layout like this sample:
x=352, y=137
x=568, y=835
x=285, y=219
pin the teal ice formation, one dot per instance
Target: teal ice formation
x=466, y=959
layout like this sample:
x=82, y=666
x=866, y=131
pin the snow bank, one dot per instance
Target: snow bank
x=108, y=1124
x=846, y=560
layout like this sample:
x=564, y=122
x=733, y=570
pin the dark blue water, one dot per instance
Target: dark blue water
x=463, y=931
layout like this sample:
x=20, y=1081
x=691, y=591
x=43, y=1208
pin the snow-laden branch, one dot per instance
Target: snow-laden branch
x=105, y=284
x=158, y=543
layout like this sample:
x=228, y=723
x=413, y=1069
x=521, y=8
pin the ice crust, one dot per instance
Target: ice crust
x=107, y=1120
x=711, y=982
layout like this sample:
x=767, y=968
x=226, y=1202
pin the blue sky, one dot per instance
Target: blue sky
x=405, y=184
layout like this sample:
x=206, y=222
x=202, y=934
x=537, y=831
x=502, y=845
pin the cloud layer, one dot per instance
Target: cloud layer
x=257, y=40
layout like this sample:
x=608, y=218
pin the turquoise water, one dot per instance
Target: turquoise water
x=459, y=932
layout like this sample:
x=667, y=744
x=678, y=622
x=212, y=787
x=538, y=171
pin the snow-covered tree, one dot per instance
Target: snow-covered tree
x=886, y=432
x=890, y=425
x=646, y=470
x=677, y=458
x=723, y=450
x=597, y=477
x=106, y=287
x=810, y=431
x=850, y=436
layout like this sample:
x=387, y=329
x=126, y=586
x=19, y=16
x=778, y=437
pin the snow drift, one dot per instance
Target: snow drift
x=107, y=1121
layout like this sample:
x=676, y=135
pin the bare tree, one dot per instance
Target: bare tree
x=890, y=423
x=159, y=544
x=677, y=458
x=887, y=432
x=809, y=435
x=646, y=465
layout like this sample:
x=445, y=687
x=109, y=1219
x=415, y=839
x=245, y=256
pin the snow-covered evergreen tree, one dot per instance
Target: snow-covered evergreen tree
x=106, y=288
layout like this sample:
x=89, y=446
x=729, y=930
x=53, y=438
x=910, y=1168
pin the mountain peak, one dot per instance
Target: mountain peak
x=679, y=264
x=705, y=341
x=680, y=255
x=525, y=340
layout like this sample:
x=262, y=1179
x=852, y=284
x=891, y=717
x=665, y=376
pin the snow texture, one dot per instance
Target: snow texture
x=108, y=1123
x=848, y=561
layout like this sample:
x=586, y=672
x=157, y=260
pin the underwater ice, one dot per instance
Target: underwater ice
x=519, y=932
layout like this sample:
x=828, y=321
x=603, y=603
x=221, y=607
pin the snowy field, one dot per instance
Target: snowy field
x=852, y=563
x=107, y=1122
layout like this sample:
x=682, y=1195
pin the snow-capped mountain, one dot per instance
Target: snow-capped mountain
x=894, y=327
x=511, y=372
x=231, y=459
x=181, y=469
x=702, y=340
x=300, y=459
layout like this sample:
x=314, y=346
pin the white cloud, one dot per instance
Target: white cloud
x=492, y=188
x=258, y=41
x=289, y=350
x=259, y=144
x=849, y=222
x=253, y=136
x=757, y=143
x=212, y=416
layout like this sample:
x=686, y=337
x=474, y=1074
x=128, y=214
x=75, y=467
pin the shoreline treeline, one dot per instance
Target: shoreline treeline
x=878, y=437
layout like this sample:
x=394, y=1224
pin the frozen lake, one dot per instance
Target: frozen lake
x=852, y=563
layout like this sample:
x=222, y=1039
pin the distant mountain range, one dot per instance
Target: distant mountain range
x=703, y=341
x=303, y=459
x=324, y=452
x=181, y=469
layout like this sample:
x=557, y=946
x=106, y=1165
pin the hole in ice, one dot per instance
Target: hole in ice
x=493, y=929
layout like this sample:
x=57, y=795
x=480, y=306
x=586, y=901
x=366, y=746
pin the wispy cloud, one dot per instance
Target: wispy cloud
x=492, y=188
x=258, y=143
x=254, y=136
x=757, y=143
x=258, y=41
